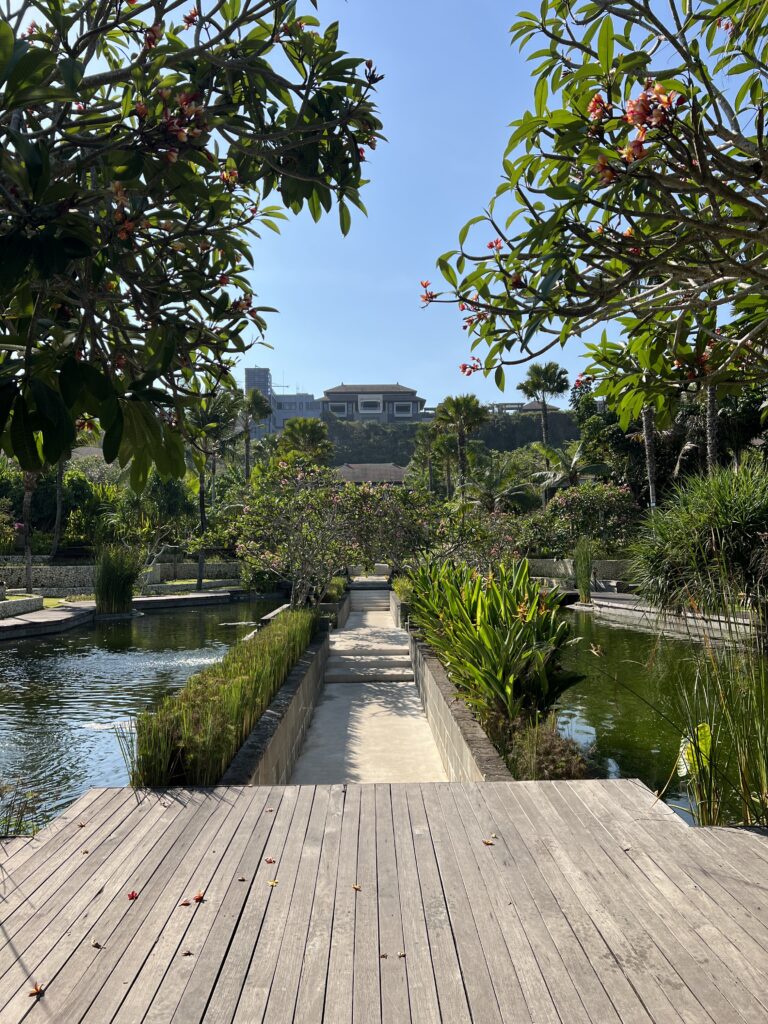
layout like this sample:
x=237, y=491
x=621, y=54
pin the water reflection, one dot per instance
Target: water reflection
x=61, y=696
x=623, y=710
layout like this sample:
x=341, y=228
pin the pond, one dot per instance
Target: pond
x=61, y=696
x=618, y=711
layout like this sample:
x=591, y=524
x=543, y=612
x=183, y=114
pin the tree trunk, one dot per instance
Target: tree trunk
x=649, y=441
x=30, y=483
x=448, y=478
x=431, y=483
x=203, y=528
x=461, y=444
x=59, y=503
x=247, y=448
x=711, y=420
x=544, y=426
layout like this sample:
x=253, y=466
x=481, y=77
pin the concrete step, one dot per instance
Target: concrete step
x=363, y=660
x=372, y=672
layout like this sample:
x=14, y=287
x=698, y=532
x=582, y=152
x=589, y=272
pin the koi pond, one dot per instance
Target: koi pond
x=61, y=696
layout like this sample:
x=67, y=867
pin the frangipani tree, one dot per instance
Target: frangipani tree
x=140, y=146
x=635, y=190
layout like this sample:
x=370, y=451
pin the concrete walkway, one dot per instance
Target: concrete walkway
x=369, y=724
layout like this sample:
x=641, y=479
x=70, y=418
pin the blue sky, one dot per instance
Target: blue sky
x=349, y=307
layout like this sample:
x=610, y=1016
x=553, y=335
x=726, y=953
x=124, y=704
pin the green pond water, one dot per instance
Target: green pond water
x=61, y=696
x=618, y=711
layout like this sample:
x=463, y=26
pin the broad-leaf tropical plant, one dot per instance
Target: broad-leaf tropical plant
x=140, y=144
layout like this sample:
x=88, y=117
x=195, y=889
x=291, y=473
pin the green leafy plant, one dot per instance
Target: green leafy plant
x=336, y=589
x=403, y=587
x=499, y=636
x=117, y=569
x=705, y=548
x=583, y=560
x=192, y=736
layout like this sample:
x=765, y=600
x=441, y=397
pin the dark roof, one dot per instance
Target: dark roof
x=372, y=473
x=369, y=389
x=537, y=407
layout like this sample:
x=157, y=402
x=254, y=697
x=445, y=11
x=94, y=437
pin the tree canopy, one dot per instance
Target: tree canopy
x=634, y=191
x=141, y=145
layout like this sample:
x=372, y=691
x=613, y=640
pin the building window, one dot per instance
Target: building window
x=370, y=404
x=338, y=408
x=279, y=405
x=403, y=408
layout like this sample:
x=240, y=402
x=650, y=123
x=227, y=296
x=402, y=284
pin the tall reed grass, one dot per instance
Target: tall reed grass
x=117, y=569
x=583, y=560
x=192, y=736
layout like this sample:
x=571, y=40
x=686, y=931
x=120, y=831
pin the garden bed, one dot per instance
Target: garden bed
x=269, y=754
x=465, y=750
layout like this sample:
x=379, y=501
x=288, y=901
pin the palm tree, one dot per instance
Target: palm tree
x=648, y=419
x=460, y=415
x=565, y=467
x=543, y=381
x=308, y=437
x=493, y=485
x=255, y=408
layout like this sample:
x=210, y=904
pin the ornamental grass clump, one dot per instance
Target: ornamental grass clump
x=117, y=569
x=192, y=736
x=499, y=636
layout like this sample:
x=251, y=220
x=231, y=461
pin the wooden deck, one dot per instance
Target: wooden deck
x=496, y=903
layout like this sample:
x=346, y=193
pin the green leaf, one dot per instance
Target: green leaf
x=112, y=438
x=23, y=437
x=605, y=44
x=6, y=46
x=345, y=218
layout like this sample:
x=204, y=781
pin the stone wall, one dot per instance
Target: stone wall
x=562, y=568
x=466, y=752
x=60, y=580
x=10, y=609
x=51, y=580
x=268, y=755
x=400, y=611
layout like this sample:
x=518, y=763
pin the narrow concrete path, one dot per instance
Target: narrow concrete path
x=369, y=724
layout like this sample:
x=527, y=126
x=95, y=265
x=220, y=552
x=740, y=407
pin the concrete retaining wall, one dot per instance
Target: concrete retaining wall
x=268, y=755
x=399, y=610
x=466, y=752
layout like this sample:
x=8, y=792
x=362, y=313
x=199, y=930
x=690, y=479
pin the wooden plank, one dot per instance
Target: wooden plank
x=495, y=872
x=245, y=935
x=571, y=981
x=69, y=918
x=155, y=951
x=284, y=985
x=688, y=866
x=722, y=963
x=264, y=842
x=453, y=999
x=493, y=989
x=366, y=997
x=338, y=995
x=623, y=1002
x=514, y=822
x=393, y=968
x=258, y=980
x=730, y=879
x=53, y=859
x=77, y=984
x=310, y=998
x=178, y=879
x=75, y=812
x=419, y=970
x=688, y=962
x=63, y=897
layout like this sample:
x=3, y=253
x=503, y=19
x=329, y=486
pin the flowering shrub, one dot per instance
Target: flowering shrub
x=603, y=512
